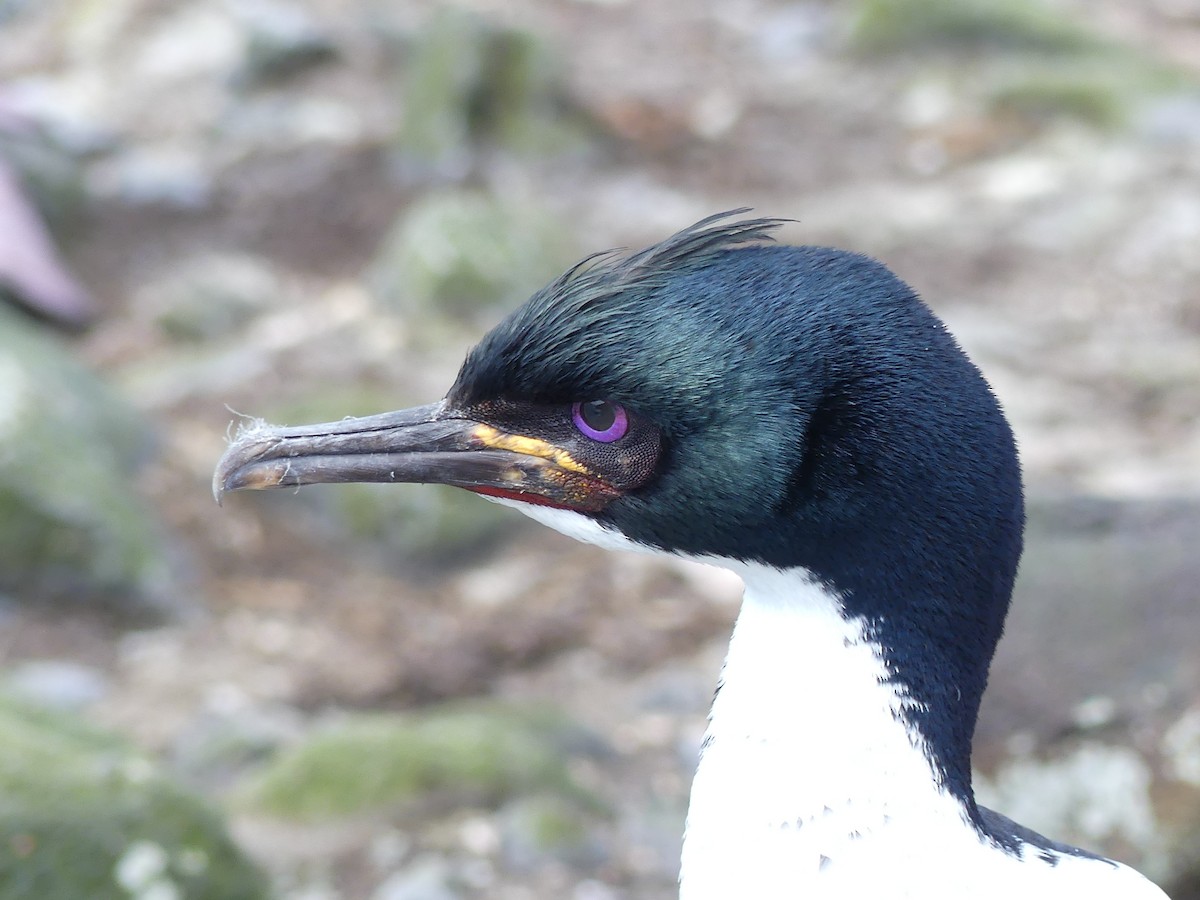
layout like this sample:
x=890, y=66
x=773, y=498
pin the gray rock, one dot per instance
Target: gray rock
x=1105, y=606
x=31, y=270
x=213, y=750
x=58, y=684
x=674, y=689
x=428, y=878
x=85, y=816
x=49, y=170
x=71, y=523
x=426, y=526
x=211, y=296
x=422, y=526
x=544, y=828
x=282, y=40
x=456, y=253
x=899, y=26
x=1172, y=119
x=456, y=754
x=167, y=173
x=11, y=8
x=595, y=890
x=653, y=831
x=1080, y=734
x=470, y=85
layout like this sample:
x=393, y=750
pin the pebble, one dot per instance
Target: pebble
x=1171, y=120
x=59, y=684
x=168, y=174
x=428, y=878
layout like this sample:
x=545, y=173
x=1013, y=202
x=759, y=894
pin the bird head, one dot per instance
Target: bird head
x=591, y=398
x=715, y=395
x=721, y=397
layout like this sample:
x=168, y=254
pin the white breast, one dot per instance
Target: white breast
x=812, y=786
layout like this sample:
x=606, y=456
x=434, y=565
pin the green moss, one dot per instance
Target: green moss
x=1021, y=58
x=553, y=824
x=1098, y=91
x=70, y=520
x=211, y=297
x=443, y=68
x=428, y=523
x=520, y=102
x=410, y=522
x=374, y=761
x=542, y=828
x=469, y=83
x=900, y=26
x=275, y=54
x=51, y=175
x=328, y=404
x=75, y=801
x=457, y=252
x=1084, y=100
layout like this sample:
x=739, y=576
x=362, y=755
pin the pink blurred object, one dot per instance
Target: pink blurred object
x=30, y=266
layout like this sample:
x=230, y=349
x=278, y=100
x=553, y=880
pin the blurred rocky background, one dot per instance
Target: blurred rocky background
x=302, y=210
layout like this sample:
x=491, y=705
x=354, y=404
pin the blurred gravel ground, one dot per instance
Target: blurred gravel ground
x=252, y=172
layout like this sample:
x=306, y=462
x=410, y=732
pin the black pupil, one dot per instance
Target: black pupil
x=598, y=415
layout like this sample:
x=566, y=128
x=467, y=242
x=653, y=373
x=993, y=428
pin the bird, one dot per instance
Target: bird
x=798, y=415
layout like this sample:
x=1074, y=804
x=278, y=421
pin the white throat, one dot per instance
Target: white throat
x=807, y=760
x=812, y=785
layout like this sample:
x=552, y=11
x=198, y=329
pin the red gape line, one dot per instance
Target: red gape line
x=523, y=497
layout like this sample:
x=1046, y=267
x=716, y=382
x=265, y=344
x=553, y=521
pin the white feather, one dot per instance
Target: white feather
x=811, y=785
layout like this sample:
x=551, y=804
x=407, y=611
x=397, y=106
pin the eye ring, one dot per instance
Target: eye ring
x=600, y=420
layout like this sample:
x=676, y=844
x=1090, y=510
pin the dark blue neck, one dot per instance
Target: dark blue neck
x=921, y=540
x=817, y=415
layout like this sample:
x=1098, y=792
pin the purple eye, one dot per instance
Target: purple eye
x=600, y=420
